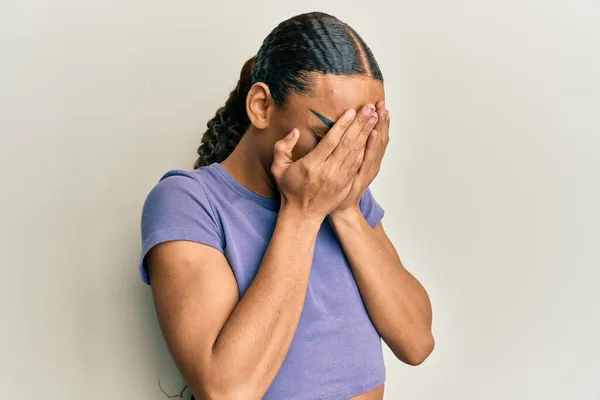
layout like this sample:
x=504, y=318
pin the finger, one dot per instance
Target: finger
x=282, y=156
x=330, y=141
x=383, y=124
x=381, y=112
x=372, y=153
x=385, y=130
x=357, y=164
x=356, y=136
x=359, y=143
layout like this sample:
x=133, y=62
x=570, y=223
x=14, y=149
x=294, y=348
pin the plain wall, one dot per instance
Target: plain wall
x=490, y=183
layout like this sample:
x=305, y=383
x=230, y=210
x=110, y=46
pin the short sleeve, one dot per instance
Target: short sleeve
x=177, y=208
x=370, y=209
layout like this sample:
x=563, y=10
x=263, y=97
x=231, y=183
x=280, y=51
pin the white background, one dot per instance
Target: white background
x=491, y=183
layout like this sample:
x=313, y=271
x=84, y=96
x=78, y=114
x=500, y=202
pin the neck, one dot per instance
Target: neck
x=246, y=167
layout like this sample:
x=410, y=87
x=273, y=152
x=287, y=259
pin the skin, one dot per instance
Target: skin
x=231, y=348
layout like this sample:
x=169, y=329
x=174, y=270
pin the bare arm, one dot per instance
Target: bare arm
x=396, y=302
x=225, y=348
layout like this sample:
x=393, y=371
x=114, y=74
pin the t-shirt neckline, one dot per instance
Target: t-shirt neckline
x=242, y=190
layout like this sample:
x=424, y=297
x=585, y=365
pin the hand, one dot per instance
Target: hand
x=317, y=183
x=374, y=151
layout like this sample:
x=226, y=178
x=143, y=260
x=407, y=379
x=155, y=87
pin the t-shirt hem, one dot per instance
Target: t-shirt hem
x=355, y=391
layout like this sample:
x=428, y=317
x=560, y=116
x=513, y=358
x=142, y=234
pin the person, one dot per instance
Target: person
x=270, y=269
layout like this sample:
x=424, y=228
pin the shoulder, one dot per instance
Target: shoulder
x=178, y=209
x=180, y=179
x=179, y=195
x=179, y=185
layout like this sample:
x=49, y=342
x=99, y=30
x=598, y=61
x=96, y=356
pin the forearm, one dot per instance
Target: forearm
x=396, y=302
x=254, y=342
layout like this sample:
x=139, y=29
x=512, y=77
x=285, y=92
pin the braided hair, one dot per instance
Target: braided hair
x=297, y=47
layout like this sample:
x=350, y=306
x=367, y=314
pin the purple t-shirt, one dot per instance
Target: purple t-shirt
x=336, y=352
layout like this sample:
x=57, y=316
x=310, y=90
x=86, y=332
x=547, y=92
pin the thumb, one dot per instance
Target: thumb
x=282, y=157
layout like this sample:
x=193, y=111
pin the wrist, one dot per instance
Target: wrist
x=349, y=215
x=298, y=218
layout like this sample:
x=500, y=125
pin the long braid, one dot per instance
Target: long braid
x=226, y=128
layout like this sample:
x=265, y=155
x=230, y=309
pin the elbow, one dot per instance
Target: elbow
x=214, y=380
x=229, y=393
x=226, y=396
x=417, y=351
x=223, y=387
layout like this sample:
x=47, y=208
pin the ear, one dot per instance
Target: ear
x=259, y=105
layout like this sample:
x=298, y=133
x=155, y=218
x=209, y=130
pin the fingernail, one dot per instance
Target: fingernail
x=292, y=134
x=373, y=119
x=350, y=114
x=368, y=110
